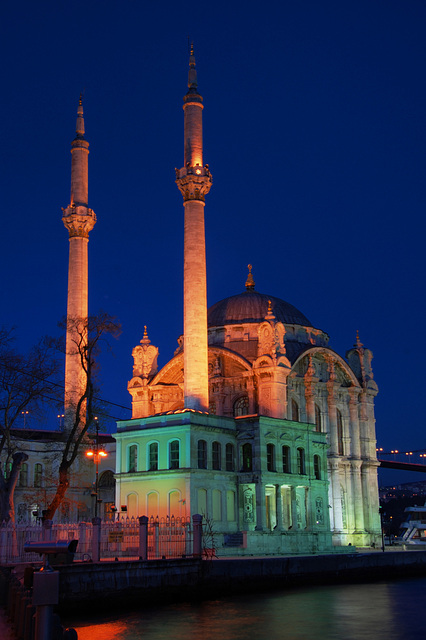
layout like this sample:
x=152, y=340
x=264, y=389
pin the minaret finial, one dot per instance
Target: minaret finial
x=192, y=74
x=250, y=281
x=80, y=119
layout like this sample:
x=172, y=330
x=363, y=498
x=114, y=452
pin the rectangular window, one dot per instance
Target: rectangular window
x=133, y=458
x=270, y=457
x=216, y=456
x=230, y=457
x=286, y=459
x=202, y=454
x=153, y=456
x=23, y=475
x=301, y=462
x=174, y=454
x=38, y=473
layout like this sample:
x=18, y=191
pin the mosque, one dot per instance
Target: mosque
x=256, y=422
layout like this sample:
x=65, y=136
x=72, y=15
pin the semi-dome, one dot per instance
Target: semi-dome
x=252, y=306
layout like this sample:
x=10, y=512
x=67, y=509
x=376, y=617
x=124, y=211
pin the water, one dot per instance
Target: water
x=379, y=611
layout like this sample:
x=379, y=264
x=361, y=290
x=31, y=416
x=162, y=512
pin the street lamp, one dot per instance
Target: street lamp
x=96, y=454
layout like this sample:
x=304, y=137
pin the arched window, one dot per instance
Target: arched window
x=23, y=475
x=294, y=410
x=241, y=406
x=106, y=480
x=301, y=461
x=230, y=457
x=247, y=457
x=216, y=456
x=202, y=454
x=317, y=467
x=174, y=454
x=153, y=456
x=133, y=458
x=38, y=475
x=340, y=450
x=318, y=421
x=270, y=457
x=286, y=459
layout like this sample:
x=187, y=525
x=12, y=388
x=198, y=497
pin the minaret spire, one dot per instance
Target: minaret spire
x=194, y=181
x=79, y=220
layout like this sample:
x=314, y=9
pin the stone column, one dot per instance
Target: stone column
x=357, y=495
x=260, y=506
x=310, y=392
x=354, y=422
x=336, y=495
x=279, y=507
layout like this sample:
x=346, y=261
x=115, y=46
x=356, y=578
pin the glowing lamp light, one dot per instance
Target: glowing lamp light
x=90, y=454
x=103, y=454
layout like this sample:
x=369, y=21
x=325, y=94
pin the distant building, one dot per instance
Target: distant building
x=38, y=476
x=255, y=423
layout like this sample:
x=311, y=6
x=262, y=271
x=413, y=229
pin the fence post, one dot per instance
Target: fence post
x=47, y=530
x=197, y=521
x=96, y=539
x=143, y=538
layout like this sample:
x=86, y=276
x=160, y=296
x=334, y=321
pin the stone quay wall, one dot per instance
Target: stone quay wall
x=138, y=583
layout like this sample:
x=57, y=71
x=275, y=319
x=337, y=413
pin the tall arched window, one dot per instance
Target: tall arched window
x=216, y=456
x=38, y=475
x=270, y=457
x=133, y=458
x=317, y=467
x=301, y=461
x=23, y=475
x=318, y=421
x=153, y=456
x=174, y=454
x=294, y=410
x=247, y=457
x=286, y=459
x=230, y=457
x=202, y=454
x=340, y=450
x=241, y=406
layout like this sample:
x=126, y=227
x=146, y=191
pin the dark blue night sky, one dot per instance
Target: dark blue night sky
x=314, y=130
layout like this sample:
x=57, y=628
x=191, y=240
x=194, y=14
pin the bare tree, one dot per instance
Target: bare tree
x=88, y=335
x=27, y=384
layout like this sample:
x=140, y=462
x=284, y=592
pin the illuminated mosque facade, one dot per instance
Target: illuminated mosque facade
x=256, y=422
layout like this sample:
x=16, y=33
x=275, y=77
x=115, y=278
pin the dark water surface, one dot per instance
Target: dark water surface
x=379, y=611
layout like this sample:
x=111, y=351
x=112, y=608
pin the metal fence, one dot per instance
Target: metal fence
x=166, y=538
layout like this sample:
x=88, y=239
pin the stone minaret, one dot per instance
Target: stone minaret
x=194, y=181
x=79, y=220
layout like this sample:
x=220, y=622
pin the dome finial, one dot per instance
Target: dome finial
x=269, y=315
x=358, y=342
x=145, y=339
x=250, y=282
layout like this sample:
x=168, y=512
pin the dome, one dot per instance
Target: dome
x=252, y=306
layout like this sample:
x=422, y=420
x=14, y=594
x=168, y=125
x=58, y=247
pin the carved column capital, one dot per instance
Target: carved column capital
x=194, y=183
x=79, y=220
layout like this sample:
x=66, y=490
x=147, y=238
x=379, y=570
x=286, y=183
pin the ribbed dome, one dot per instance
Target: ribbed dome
x=251, y=306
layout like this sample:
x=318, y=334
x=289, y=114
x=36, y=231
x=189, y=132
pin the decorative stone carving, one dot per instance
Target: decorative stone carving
x=79, y=220
x=194, y=183
x=145, y=359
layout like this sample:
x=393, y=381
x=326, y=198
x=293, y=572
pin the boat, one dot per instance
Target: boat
x=413, y=530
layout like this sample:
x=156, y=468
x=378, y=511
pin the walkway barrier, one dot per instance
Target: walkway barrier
x=127, y=538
